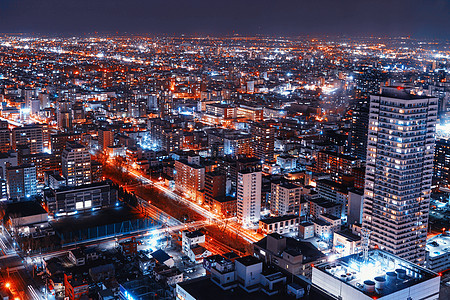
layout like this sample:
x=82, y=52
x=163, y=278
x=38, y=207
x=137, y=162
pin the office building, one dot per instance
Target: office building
x=438, y=252
x=76, y=164
x=249, y=197
x=399, y=169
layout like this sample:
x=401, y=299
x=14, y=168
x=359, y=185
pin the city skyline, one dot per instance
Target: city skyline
x=245, y=149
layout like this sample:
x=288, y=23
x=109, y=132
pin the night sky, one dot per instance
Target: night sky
x=418, y=18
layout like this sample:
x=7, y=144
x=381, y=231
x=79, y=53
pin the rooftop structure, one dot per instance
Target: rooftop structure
x=382, y=276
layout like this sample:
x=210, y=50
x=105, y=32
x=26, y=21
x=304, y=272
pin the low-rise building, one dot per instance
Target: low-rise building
x=346, y=242
x=288, y=254
x=306, y=230
x=75, y=287
x=281, y=225
x=66, y=200
x=129, y=248
x=438, y=252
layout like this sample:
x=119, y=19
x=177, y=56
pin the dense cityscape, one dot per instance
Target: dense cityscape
x=237, y=167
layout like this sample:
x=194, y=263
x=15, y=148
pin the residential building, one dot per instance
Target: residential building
x=263, y=141
x=76, y=164
x=399, y=171
x=105, y=139
x=30, y=136
x=336, y=164
x=21, y=181
x=189, y=177
x=249, y=197
x=285, y=198
x=215, y=186
x=441, y=165
x=281, y=225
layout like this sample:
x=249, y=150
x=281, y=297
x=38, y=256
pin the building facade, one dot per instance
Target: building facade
x=249, y=197
x=399, y=171
x=76, y=164
x=285, y=198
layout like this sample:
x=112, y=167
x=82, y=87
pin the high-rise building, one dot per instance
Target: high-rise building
x=64, y=114
x=5, y=137
x=249, y=197
x=30, y=136
x=215, y=186
x=360, y=123
x=76, y=164
x=263, y=141
x=441, y=172
x=399, y=169
x=285, y=198
x=189, y=176
x=105, y=139
x=21, y=181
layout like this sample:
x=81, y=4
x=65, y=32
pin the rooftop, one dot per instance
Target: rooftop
x=400, y=93
x=272, y=220
x=248, y=260
x=24, y=209
x=438, y=245
x=386, y=270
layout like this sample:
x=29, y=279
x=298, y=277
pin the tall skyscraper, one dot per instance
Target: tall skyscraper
x=360, y=123
x=399, y=170
x=249, y=197
x=76, y=164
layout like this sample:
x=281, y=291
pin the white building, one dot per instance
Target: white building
x=76, y=164
x=281, y=225
x=191, y=239
x=400, y=152
x=285, y=198
x=438, y=252
x=346, y=242
x=383, y=276
x=249, y=197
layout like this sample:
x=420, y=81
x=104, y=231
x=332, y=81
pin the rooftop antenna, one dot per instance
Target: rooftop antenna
x=365, y=243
